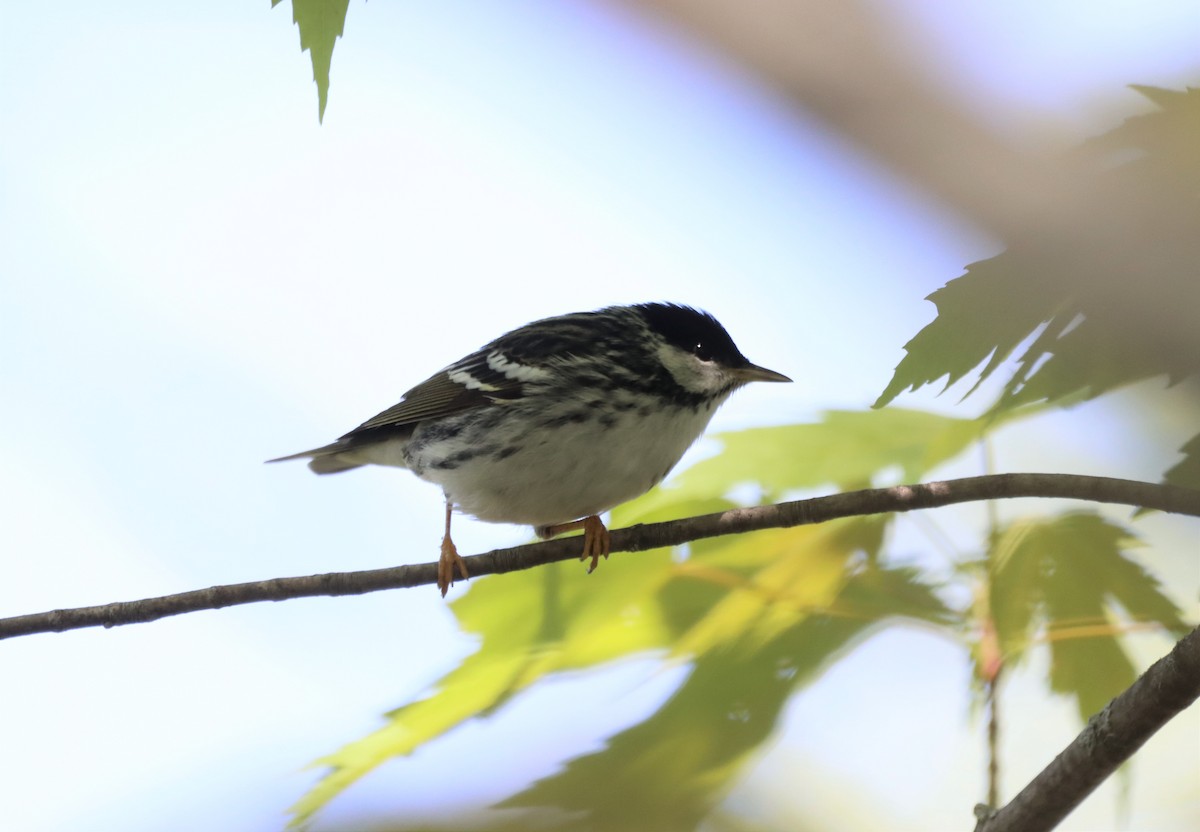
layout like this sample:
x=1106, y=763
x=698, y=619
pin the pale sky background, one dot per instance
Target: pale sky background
x=196, y=276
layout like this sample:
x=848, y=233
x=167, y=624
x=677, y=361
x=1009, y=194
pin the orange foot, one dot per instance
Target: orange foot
x=596, y=539
x=447, y=564
x=450, y=559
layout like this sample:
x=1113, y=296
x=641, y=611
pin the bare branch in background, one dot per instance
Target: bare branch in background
x=1110, y=738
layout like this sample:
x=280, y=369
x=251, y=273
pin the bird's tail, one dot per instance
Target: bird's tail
x=329, y=459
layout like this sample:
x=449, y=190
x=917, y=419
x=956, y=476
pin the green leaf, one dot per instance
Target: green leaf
x=876, y=594
x=846, y=449
x=321, y=23
x=980, y=317
x=531, y=624
x=1068, y=581
x=1165, y=139
x=802, y=569
x=584, y=622
x=1186, y=472
x=668, y=771
x=1087, y=333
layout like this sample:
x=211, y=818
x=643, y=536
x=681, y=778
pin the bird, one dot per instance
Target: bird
x=556, y=422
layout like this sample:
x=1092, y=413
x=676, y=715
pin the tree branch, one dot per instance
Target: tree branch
x=1109, y=739
x=1166, y=498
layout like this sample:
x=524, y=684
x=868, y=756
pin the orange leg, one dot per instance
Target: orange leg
x=596, y=541
x=450, y=559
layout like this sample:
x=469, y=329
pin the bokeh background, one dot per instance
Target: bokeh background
x=195, y=276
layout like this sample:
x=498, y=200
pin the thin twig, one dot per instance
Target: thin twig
x=1166, y=498
x=993, y=738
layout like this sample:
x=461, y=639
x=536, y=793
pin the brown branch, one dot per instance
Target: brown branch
x=1109, y=739
x=1166, y=498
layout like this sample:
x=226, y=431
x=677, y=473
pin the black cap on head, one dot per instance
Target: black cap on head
x=693, y=331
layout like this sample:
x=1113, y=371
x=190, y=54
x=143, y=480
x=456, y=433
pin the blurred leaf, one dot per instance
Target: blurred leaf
x=1187, y=471
x=877, y=594
x=1165, y=139
x=1067, y=580
x=1104, y=352
x=979, y=317
x=846, y=449
x=668, y=771
x=1088, y=337
x=531, y=623
x=321, y=23
x=1015, y=597
x=805, y=569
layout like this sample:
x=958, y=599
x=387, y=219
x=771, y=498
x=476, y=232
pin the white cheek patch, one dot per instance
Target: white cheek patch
x=690, y=372
x=498, y=362
x=470, y=382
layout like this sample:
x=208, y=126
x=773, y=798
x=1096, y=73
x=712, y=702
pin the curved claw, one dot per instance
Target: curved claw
x=596, y=541
x=450, y=559
x=447, y=564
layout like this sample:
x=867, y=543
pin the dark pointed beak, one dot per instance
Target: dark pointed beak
x=752, y=372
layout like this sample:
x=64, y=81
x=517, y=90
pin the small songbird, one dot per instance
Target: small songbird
x=557, y=421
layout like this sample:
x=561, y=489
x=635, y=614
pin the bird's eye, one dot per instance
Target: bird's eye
x=702, y=352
